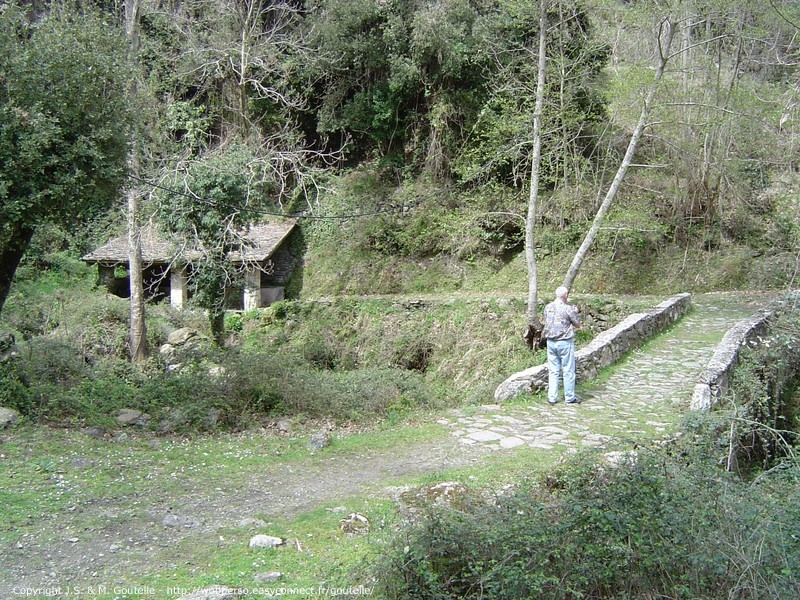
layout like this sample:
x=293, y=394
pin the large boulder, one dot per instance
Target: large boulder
x=129, y=416
x=181, y=336
x=181, y=345
x=8, y=417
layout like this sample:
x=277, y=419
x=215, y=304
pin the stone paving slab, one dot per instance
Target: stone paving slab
x=646, y=393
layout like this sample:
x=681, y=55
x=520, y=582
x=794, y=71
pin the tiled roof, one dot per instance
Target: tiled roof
x=156, y=248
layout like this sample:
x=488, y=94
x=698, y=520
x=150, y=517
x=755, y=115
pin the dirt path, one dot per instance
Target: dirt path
x=121, y=540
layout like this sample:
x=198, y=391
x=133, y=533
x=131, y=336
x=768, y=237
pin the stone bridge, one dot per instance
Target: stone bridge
x=644, y=394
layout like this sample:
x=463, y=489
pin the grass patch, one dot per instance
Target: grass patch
x=495, y=471
x=47, y=471
x=67, y=475
x=317, y=554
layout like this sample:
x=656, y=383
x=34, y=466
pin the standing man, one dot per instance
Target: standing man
x=560, y=322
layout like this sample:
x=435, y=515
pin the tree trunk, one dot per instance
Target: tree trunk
x=10, y=255
x=533, y=329
x=132, y=25
x=663, y=47
x=138, y=328
x=216, y=318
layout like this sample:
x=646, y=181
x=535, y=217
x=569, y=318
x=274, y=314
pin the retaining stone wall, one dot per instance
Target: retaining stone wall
x=714, y=381
x=605, y=349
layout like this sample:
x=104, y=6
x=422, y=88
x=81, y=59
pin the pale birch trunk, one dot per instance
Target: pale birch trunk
x=665, y=35
x=138, y=329
x=534, y=327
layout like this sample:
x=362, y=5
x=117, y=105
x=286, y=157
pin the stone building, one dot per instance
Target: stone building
x=267, y=262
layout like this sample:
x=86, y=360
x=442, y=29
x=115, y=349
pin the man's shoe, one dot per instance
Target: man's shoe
x=575, y=400
x=552, y=401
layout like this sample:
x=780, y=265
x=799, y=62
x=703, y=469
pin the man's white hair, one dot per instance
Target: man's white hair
x=562, y=292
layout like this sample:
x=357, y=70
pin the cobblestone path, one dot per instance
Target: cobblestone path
x=645, y=394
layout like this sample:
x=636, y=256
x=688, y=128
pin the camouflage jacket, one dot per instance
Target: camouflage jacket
x=560, y=320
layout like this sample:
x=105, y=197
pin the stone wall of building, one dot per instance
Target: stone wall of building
x=605, y=349
x=283, y=261
x=714, y=381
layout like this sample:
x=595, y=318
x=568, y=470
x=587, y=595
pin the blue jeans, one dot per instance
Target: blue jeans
x=561, y=361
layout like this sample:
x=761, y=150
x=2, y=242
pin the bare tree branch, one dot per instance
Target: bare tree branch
x=664, y=39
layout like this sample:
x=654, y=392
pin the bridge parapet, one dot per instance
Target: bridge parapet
x=714, y=381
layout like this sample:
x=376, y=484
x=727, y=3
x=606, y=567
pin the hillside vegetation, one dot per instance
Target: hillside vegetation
x=418, y=116
x=400, y=133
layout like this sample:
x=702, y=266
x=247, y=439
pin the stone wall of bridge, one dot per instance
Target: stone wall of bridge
x=714, y=381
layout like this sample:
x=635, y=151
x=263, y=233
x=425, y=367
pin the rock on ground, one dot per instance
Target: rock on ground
x=216, y=592
x=319, y=441
x=178, y=521
x=251, y=522
x=8, y=417
x=354, y=524
x=266, y=541
x=181, y=336
x=129, y=416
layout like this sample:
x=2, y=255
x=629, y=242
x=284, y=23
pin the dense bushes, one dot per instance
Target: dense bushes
x=296, y=359
x=231, y=390
x=658, y=524
x=364, y=359
x=71, y=366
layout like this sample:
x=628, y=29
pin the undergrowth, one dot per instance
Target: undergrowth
x=349, y=359
x=763, y=398
x=239, y=391
x=657, y=522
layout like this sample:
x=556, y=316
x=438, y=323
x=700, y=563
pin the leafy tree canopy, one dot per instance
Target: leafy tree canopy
x=64, y=122
x=220, y=199
x=448, y=85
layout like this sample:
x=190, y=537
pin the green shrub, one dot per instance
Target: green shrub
x=215, y=389
x=14, y=391
x=370, y=394
x=234, y=322
x=54, y=362
x=92, y=401
x=763, y=389
x=652, y=527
